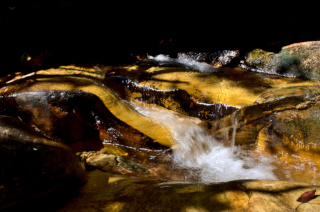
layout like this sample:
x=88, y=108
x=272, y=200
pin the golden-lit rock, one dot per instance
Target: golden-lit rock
x=226, y=86
x=40, y=96
x=284, y=124
x=268, y=109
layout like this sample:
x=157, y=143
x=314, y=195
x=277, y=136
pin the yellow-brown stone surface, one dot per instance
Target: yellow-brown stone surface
x=226, y=86
x=122, y=110
x=277, y=117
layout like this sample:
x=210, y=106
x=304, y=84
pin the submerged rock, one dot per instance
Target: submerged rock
x=145, y=194
x=105, y=162
x=33, y=165
x=131, y=165
x=110, y=163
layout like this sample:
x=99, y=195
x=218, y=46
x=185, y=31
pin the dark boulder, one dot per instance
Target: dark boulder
x=33, y=165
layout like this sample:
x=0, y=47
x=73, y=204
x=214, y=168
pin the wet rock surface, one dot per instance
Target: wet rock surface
x=175, y=99
x=102, y=161
x=126, y=153
x=74, y=108
x=110, y=162
x=283, y=123
x=230, y=87
x=130, y=165
x=268, y=108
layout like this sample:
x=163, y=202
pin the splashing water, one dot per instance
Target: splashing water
x=188, y=63
x=196, y=149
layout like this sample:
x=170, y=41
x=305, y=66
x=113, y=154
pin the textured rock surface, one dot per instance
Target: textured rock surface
x=102, y=161
x=279, y=117
x=284, y=124
x=225, y=86
x=131, y=165
x=269, y=107
x=295, y=60
x=56, y=95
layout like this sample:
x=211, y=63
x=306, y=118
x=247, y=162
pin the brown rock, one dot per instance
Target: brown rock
x=104, y=162
x=268, y=109
x=67, y=108
x=31, y=164
x=131, y=165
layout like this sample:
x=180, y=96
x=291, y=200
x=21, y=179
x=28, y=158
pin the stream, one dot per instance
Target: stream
x=179, y=122
x=137, y=107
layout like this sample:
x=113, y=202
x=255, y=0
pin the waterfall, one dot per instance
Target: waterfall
x=196, y=149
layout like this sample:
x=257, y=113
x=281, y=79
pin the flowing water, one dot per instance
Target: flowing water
x=216, y=162
x=196, y=149
x=185, y=62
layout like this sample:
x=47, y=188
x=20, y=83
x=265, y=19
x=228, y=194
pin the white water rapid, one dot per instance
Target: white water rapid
x=196, y=149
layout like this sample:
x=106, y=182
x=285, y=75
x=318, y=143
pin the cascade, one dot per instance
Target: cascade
x=195, y=149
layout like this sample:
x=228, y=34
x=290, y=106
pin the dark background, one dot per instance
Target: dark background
x=57, y=32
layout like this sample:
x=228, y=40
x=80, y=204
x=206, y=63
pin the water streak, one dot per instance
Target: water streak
x=234, y=130
x=188, y=63
x=196, y=149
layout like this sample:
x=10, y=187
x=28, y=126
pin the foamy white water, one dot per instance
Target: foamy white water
x=196, y=149
x=188, y=63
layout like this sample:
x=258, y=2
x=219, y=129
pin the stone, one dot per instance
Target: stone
x=308, y=54
x=105, y=162
x=131, y=165
x=32, y=165
x=262, y=61
x=295, y=60
x=73, y=103
x=227, y=86
x=178, y=100
x=251, y=119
